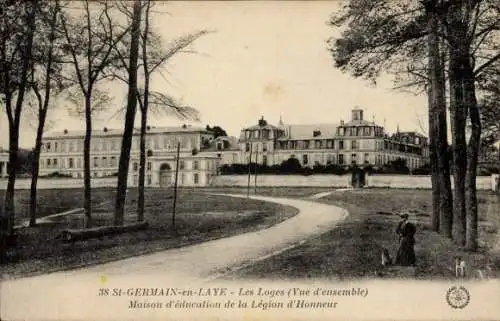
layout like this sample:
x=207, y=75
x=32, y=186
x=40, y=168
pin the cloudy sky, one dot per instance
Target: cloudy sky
x=264, y=59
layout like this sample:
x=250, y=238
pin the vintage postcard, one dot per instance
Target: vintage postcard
x=250, y=160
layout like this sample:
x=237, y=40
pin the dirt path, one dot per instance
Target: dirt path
x=187, y=265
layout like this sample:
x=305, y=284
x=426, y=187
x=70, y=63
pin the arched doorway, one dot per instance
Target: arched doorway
x=165, y=175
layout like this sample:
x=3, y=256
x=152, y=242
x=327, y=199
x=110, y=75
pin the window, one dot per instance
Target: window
x=247, y=147
x=354, y=144
x=48, y=162
x=71, y=163
x=264, y=147
x=55, y=147
x=353, y=158
x=135, y=166
x=96, y=162
x=104, y=162
x=149, y=179
x=195, y=165
x=48, y=146
x=367, y=158
x=265, y=133
x=113, y=161
x=341, y=144
x=341, y=159
x=196, y=178
x=136, y=180
x=256, y=134
x=264, y=160
x=235, y=158
x=95, y=174
x=181, y=164
x=305, y=159
x=55, y=161
x=79, y=175
x=149, y=166
x=219, y=146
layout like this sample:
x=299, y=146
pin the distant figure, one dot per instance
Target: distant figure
x=406, y=232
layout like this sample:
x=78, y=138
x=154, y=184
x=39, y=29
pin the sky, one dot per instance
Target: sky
x=263, y=59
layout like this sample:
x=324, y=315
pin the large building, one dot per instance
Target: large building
x=201, y=154
x=62, y=152
x=358, y=142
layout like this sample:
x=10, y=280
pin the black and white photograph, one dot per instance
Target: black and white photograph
x=249, y=160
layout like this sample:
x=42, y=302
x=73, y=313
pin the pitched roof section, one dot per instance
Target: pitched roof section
x=119, y=132
x=307, y=131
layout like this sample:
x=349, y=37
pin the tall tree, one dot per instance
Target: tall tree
x=469, y=28
x=45, y=80
x=16, y=48
x=90, y=41
x=396, y=45
x=128, y=131
x=154, y=56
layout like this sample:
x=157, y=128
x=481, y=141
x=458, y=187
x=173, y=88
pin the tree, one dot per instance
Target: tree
x=217, y=130
x=153, y=57
x=121, y=189
x=90, y=41
x=17, y=25
x=45, y=79
x=469, y=31
x=396, y=45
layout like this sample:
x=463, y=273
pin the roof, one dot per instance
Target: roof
x=119, y=132
x=233, y=143
x=267, y=126
x=299, y=131
x=361, y=122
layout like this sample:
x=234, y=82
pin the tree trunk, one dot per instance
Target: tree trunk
x=36, y=166
x=142, y=164
x=433, y=67
x=457, y=111
x=14, y=122
x=445, y=194
x=471, y=242
x=87, y=198
x=129, y=116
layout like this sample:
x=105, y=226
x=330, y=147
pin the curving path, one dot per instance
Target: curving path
x=195, y=263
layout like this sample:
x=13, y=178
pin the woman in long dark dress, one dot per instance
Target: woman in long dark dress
x=406, y=231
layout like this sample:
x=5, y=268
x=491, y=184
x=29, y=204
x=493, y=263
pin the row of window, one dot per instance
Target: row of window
x=157, y=142
x=360, y=131
x=345, y=159
x=70, y=162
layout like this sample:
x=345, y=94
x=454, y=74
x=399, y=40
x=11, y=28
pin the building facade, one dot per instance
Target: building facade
x=358, y=142
x=62, y=153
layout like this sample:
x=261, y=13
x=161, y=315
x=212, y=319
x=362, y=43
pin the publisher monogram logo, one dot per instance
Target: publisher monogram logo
x=458, y=297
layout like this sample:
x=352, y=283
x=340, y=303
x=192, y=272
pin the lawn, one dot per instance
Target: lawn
x=52, y=201
x=200, y=217
x=352, y=250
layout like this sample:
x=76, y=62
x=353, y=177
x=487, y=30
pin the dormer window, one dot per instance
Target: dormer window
x=219, y=146
x=316, y=133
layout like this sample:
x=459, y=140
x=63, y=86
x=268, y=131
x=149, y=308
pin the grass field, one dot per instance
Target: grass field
x=352, y=250
x=200, y=217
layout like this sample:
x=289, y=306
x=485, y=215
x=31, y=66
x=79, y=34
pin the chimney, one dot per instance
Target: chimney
x=148, y=127
x=262, y=122
x=342, y=123
x=65, y=131
x=105, y=129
